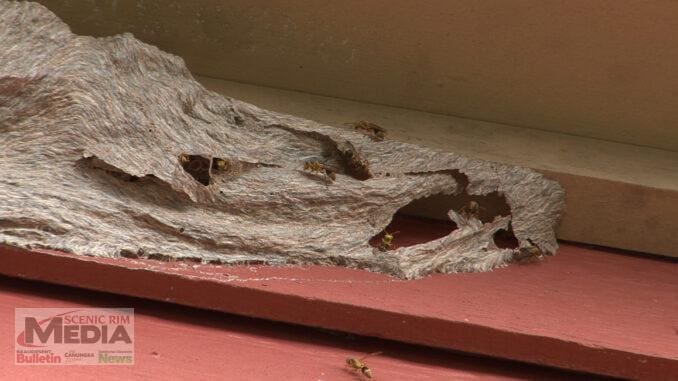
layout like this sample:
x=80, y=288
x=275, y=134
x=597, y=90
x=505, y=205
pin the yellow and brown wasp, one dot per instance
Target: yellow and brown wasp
x=359, y=365
x=387, y=241
x=472, y=208
x=325, y=170
x=374, y=131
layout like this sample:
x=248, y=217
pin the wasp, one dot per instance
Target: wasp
x=529, y=253
x=375, y=132
x=317, y=167
x=471, y=209
x=387, y=241
x=360, y=366
x=221, y=164
x=184, y=159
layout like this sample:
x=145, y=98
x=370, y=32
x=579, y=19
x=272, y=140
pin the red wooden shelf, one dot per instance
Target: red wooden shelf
x=180, y=343
x=584, y=309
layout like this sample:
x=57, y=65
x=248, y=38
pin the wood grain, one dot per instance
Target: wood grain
x=177, y=343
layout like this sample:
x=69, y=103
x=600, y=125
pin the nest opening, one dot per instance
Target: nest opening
x=410, y=230
x=199, y=167
x=505, y=239
x=436, y=206
x=425, y=219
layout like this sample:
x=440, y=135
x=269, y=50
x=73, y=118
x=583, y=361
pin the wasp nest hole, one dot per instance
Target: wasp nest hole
x=426, y=219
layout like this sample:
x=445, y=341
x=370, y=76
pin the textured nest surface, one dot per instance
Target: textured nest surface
x=109, y=147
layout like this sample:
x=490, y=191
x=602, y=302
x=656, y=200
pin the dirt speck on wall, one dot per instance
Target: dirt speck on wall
x=111, y=148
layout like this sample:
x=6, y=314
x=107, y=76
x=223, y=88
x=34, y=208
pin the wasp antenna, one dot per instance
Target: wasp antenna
x=371, y=354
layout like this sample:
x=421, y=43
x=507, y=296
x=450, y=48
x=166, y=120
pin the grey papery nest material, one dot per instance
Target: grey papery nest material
x=109, y=147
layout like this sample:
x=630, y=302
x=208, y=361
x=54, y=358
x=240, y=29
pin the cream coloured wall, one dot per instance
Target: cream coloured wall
x=599, y=68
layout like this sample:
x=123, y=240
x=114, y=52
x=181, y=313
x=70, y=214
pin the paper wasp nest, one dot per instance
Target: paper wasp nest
x=109, y=147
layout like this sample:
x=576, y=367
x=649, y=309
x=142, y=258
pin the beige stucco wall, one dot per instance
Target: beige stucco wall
x=606, y=69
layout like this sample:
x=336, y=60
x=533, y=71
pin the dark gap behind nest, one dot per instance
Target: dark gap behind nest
x=198, y=167
x=410, y=231
x=436, y=206
x=426, y=219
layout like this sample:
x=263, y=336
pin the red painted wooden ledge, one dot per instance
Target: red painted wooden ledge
x=584, y=309
x=180, y=343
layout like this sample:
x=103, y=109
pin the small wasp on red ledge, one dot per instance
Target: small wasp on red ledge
x=360, y=366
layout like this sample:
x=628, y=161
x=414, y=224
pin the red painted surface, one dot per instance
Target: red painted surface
x=410, y=231
x=584, y=309
x=178, y=343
